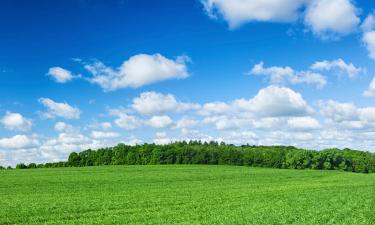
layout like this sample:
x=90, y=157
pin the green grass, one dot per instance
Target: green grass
x=185, y=195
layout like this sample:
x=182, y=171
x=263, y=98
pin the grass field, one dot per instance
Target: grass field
x=185, y=195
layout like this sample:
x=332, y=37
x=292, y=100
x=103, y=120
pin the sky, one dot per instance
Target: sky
x=91, y=73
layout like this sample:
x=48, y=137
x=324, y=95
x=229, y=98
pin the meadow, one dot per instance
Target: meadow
x=185, y=194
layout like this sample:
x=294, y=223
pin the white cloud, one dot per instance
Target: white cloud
x=72, y=138
x=215, y=108
x=339, y=66
x=186, y=123
x=56, y=109
x=159, y=121
x=274, y=101
x=132, y=141
x=239, y=138
x=303, y=123
x=18, y=142
x=347, y=115
x=161, y=138
x=102, y=125
x=225, y=122
x=60, y=75
x=286, y=75
x=367, y=114
x=369, y=23
x=105, y=125
x=369, y=41
x=62, y=127
x=16, y=122
x=58, y=148
x=368, y=36
x=331, y=18
x=337, y=111
x=104, y=135
x=238, y=12
x=371, y=89
x=153, y=103
x=137, y=71
x=126, y=121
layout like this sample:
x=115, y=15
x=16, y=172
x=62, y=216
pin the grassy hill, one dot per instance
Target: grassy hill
x=176, y=194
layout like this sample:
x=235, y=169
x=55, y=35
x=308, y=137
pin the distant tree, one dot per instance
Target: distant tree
x=32, y=166
x=21, y=166
x=196, y=152
x=74, y=159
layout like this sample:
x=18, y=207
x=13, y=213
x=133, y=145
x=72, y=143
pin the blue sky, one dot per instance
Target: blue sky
x=88, y=74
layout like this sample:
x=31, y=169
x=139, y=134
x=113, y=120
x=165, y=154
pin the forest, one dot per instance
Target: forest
x=214, y=153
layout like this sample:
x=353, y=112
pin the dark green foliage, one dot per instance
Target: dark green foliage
x=32, y=166
x=21, y=166
x=213, y=153
x=74, y=159
x=2, y=168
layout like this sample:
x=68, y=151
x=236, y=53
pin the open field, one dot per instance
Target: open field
x=185, y=195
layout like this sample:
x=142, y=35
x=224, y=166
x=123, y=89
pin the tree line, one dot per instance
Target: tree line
x=213, y=153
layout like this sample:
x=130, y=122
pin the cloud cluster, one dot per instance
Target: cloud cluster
x=312, y=76
x=325, y=18
x=153, y=103
x=137, y=71
x=18, y=142
x=338, y=66
x=287, y=75
x=60, y=75
x=331, y=18
x=59, y=109
x=347, y=116
x=368, y=37
x=238, y=12
x=371, y=89
x=16, y=122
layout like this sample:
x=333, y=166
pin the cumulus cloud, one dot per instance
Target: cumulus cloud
x=58, y=148
x=238, y=12
x=274, y=101
x=159, y=121
x=347, y=115
x=239, y=138
x=337, y=111
x=186, y=123
x=153, y=103
x=62, y=127
x=368, y=37
x=56, y=109
x=331, y=18
x=18, y=142
x=369, y=23
x=60, y=75
x=371, y=89
x=369, y=40
x=227, y=122
x=303, y=123
x=125, y=120
x=286, y=75
x=161, y=138
x=214, y=108
x=104, y=135
x=325, y=18
x=16, y=122
x=339, y=66
x=137, y=71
